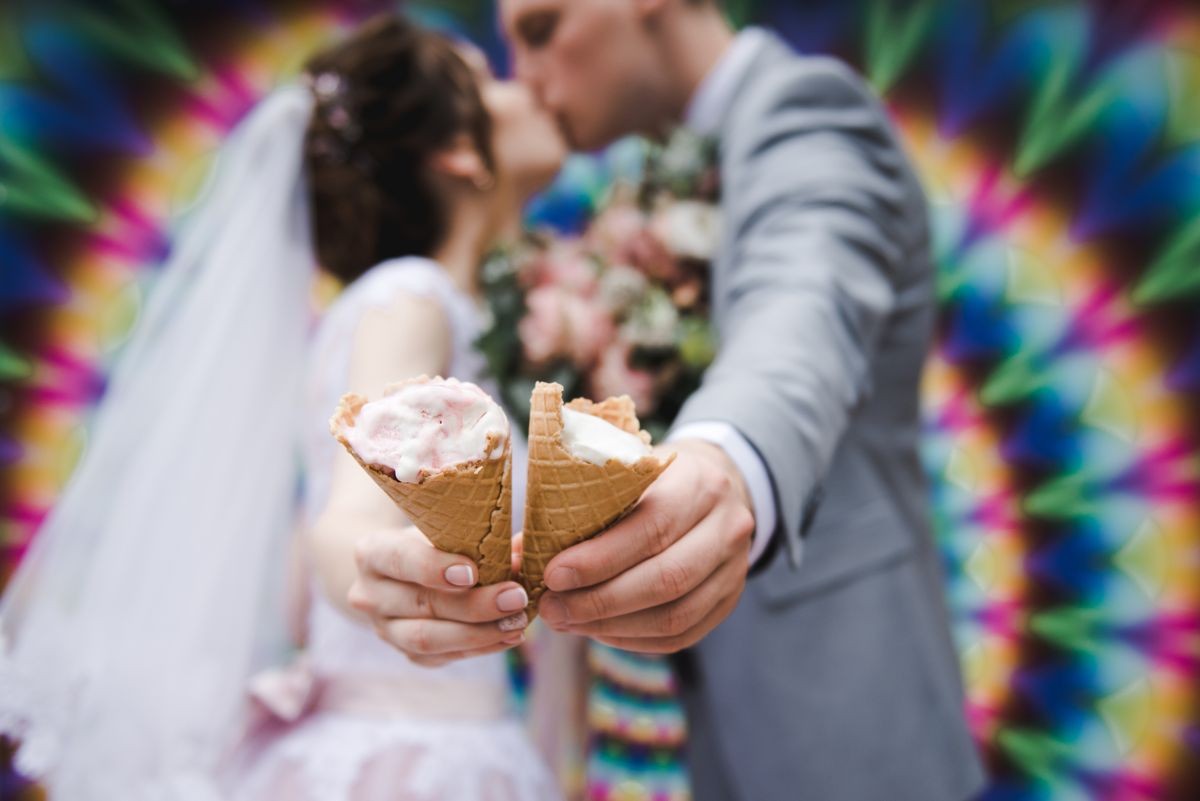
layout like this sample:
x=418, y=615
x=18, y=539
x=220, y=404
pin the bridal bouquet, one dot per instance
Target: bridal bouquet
x=622, y=309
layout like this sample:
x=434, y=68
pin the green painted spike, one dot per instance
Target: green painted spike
x=1038, y=755
x=1126, y=713
x=1059, y=115
x=950, y=279
x=1017, y=377
x=1182, y=69
x=1175, y=272
x=893, y=37
x=32, y=187
x=14, y=62
x=1074, y=629
x=139, y=32
x=1144, y=558
x=738, y=12
x=1004, y=14
x=1061, y=499
x=1111, y=408
x=14, y=366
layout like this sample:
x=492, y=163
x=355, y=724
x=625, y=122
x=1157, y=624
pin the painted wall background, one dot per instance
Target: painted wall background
x=1059, y=144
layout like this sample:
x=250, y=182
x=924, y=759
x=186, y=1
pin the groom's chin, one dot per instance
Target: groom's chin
x=587, y=137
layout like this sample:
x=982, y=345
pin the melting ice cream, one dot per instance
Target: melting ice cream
x=595, y=440
x=428, y=425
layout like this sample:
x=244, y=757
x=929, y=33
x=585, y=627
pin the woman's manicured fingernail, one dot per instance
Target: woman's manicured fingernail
x=512, y=599
x=514, y=623
x=460, y=575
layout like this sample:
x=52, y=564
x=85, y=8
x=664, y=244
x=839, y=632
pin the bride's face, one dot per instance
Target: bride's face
x=527, y=147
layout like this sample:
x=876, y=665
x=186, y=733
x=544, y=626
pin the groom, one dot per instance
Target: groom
x=828, y=672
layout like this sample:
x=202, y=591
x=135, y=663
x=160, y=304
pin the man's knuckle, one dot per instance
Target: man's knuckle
x=673, y=577
x=675, y=619
x=598, y=605
x=743, y=527
x=713, y=485
x=658, y=529
x=721, y=483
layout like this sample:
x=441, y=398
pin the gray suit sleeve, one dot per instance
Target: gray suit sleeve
x=821, y=214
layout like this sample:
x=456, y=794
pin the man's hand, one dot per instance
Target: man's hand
x=424, y=602
x=666, y=575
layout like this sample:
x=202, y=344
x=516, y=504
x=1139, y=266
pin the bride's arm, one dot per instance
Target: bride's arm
x=409, y=338
x=369, y=561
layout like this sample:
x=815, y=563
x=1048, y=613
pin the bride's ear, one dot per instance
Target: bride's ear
x=462, y=160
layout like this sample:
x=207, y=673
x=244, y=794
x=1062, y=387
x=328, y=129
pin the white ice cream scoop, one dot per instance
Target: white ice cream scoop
x=596, y=440
x=427, y=426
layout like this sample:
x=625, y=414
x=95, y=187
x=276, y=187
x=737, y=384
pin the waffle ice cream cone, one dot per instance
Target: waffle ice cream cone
x=571, y=499
x=463, y=508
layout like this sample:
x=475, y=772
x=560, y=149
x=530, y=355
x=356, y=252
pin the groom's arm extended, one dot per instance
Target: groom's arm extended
x=823, y=218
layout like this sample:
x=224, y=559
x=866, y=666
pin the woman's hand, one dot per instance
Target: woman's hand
x=425, y=603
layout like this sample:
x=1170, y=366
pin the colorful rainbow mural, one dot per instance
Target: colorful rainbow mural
x=1059, y=143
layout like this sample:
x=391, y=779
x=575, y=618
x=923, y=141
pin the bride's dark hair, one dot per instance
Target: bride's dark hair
x=387, y=98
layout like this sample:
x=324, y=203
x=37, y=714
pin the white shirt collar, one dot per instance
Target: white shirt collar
x=715, y=93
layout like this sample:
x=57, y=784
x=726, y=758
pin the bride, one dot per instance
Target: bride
x=152, y=606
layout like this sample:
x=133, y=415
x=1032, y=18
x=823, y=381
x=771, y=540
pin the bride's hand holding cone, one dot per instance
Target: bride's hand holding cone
x=426, y=603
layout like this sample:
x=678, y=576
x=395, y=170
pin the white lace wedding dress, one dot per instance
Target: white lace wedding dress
x=356, y=720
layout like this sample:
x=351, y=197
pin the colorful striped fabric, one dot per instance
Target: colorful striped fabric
x=1059, y=143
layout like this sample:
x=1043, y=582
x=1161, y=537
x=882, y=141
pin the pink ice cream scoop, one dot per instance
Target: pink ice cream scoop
x=425, y=427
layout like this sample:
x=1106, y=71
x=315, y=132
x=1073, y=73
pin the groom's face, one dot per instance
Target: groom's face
x=589, y=62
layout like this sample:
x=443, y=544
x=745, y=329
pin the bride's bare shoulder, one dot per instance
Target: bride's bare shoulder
x=408, y=336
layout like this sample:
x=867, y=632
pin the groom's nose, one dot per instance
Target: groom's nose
x=522, y=70
x=527, y=71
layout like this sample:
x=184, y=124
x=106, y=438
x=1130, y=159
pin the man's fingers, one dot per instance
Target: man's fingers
x=407, y=555
x=668, y=510
x=672, y=644
x=666, y=620
x=386, y=598
x=428, y=637
x=659, y=580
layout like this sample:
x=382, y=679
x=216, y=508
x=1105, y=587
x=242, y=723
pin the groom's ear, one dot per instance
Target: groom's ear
x=460, y=160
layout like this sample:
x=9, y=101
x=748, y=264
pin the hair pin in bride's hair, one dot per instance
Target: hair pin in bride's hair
x=329, y=89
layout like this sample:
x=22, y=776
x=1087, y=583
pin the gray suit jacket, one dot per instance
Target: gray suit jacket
x=835, y=678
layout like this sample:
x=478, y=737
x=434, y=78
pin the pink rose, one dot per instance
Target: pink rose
x=688, y=228
x=614, y=229
x=614, y=376
x=567, y=266
x=590, y=329
x=648, y=253
x=543, y=328
x=561, y=324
